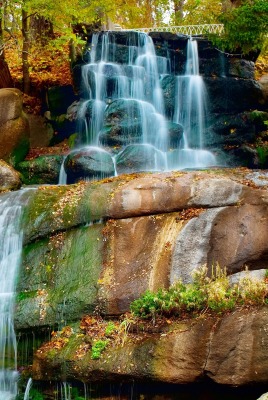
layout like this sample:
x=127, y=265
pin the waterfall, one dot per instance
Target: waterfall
x=190, y=112
x=126, y=101
x=27, y=390
x=11, y=206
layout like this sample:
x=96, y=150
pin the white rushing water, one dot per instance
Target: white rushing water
x=11, y=205
x=190, y=112
x=136, y=83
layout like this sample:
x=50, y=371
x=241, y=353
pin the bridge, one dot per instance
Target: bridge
x=189, y=30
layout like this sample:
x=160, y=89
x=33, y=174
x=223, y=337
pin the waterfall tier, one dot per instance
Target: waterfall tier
x=10, y=256
x=123, y=107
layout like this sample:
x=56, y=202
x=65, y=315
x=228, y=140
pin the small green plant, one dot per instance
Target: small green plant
x=206, y=292
x=98, y=347
x=262, y=152
x=110, y=329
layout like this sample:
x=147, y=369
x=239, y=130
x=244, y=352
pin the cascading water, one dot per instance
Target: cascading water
x=131, y=92
x=11, y=205
x=190, y=112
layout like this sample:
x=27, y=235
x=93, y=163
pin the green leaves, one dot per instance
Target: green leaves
x=245, y=27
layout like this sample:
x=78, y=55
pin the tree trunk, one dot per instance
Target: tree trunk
x=5, y=77
x=25, y=53
x=178, y=10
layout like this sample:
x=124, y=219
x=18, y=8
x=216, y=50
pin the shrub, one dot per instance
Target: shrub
x=206, y=292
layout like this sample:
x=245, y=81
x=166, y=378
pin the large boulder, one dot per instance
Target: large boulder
x=14, y=127
x=41, y=170
x=89, y=163
x=175, y=223
x=9, y=178
x=92, y=248
x=140, y=157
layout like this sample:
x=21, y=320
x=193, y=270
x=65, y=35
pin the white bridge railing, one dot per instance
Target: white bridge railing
x=183, y=29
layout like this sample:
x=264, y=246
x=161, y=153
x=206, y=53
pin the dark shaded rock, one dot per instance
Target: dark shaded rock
x=172, y=46
x=122, y=109
x=168, y=85
x=63, y=128
x=139, y=157
x=41, y=170
x=88, y=163
x=245, y=156
x=232, y=94
x=59, y=98
x=230, y=130
x=121, y=134
x=175, y=134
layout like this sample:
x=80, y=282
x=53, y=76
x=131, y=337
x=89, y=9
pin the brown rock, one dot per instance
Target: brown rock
x=9, y=178
x=239, y=348
x=230, y=350
x=10, y=104
x=14, y=126
x=138, y=255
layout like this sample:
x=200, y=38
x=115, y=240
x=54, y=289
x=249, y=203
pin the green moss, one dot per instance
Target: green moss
x=41, y=170
x=72, y=140
x=19, y=152
x=26, y=295
x=63, y=270
x=262, y=152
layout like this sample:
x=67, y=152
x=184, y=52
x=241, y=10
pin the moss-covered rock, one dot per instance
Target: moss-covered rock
x=59, y=208
x=59, y=278
x=41, y=170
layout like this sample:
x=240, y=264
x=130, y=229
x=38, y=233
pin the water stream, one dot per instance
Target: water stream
x=11, y=206
x=133, y=91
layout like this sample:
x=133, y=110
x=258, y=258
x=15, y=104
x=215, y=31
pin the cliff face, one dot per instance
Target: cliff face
x=98, y=246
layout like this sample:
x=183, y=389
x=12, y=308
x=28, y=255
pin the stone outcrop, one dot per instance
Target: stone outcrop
x=146, y=230
x=228, y=350
x=9, y=178
x=98, y=246
x=14, y=127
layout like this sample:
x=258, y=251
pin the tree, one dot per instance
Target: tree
x=198, y=12
x=5, y=77
x=245, y=27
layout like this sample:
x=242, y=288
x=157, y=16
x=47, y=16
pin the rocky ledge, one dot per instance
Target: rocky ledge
x=227, y=350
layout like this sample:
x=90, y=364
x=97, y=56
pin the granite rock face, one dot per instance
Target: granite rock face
x=99, y=246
